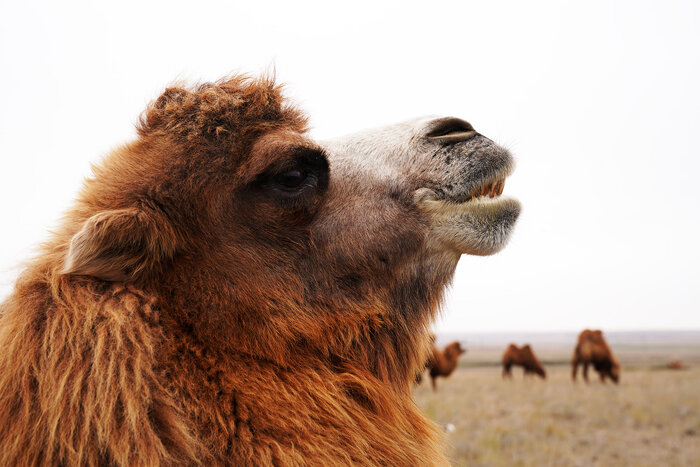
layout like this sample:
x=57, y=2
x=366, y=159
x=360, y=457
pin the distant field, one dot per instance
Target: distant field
x=651, y=419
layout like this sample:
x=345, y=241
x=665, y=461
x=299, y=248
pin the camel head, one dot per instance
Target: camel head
x=454, y=350
x=259, y=240
x=615, y=371
x=540, y=371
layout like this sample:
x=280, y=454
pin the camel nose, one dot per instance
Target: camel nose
x=450, y=130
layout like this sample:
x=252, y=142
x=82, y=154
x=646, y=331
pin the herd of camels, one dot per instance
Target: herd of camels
x=591, y=349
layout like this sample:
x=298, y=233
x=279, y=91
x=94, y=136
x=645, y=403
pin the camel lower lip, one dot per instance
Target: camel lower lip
x=480, y=226
x=477, y=203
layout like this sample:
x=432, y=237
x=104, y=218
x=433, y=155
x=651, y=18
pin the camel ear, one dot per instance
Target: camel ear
x=121, y=245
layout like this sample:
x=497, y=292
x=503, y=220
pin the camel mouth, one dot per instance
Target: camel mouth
x=477, y=223
x=490, y=188
x=488, y=191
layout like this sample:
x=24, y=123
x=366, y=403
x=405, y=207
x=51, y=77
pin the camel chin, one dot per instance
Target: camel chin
x=480, y=226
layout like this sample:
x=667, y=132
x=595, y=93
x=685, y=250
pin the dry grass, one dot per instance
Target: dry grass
x=651, y=419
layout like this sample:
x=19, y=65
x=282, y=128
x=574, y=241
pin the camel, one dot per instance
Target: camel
x=524, y=357
x=419, y=375
x=227, y=291
x=675, y=365
x=443, y=362
x=591, y=349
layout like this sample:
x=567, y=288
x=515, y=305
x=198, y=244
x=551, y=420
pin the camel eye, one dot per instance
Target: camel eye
x=297, y=177
x=291, y=179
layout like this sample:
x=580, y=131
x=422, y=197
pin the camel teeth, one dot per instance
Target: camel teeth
x=501, y=185
x=491, y=189
x=494, y=188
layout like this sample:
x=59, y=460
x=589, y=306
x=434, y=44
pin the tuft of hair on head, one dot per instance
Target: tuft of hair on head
x=232, y=109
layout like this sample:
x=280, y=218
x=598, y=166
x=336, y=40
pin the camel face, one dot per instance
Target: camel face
x=453, y=174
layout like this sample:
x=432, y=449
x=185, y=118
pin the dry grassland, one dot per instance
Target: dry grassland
x=651, y=419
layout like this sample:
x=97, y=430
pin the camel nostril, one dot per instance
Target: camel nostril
x=450, y=130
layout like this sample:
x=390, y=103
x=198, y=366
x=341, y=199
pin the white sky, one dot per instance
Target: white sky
x=598, y=100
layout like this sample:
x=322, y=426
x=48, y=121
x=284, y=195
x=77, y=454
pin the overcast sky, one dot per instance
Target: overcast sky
x=599, y=101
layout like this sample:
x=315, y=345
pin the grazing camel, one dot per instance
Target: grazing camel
x=524, y=357
x=591, y=349
x=227, y=291
x=443, y=362
x=675, y=365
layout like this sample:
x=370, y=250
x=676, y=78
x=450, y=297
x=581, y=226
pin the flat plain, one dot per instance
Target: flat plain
x=652, y=418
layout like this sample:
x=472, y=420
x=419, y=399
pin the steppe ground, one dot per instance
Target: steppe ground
x=652, y=418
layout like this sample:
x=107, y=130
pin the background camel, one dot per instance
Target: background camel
x=443, y=362
x=675, y=365
x=591, y=349
x=226, y=291
x=524, y=357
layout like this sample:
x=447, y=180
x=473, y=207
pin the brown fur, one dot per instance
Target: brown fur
x=675, y=365
x=182, y=314
x=443, y=362
x=524, y=357
x=591, y=349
